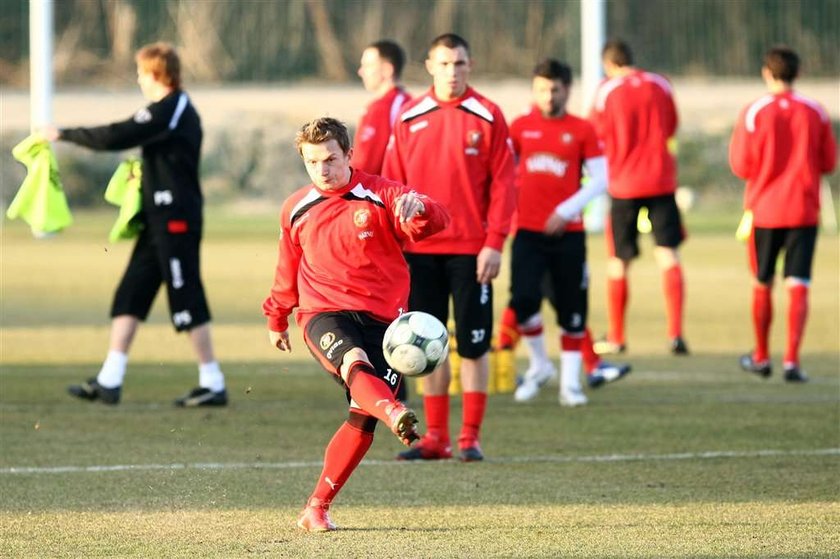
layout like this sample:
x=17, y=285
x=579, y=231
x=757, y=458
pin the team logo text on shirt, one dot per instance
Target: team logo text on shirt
x=546, y=163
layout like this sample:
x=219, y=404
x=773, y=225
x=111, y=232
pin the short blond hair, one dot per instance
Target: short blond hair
x=162, y=61
x=323, y=130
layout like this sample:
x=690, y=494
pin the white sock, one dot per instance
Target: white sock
x=570, y=365
x=113, y=370
x=536, y=350
x=210, y=376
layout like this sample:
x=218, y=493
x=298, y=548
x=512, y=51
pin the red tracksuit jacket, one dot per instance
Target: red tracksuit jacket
x=781, y=145
x=342, y=250
x=457, y=152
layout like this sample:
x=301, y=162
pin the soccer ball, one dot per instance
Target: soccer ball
x=415, y=344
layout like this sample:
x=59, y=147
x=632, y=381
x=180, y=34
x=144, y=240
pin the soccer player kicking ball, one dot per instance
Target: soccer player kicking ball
x=781, y=145
x=340, y=264
x=553, y=148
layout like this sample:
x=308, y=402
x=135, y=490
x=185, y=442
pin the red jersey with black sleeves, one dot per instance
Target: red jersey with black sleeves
x=375, y=129
x=342, y=251
x=169, y=135
x=781, y=145
x=550, y=152
x=635, y=116
x=459, y=153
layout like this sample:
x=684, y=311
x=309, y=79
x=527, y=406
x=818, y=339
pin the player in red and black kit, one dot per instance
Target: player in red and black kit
x=634, y=114
x=452, y=144
x=781, y=145
x=168, y=131
x=341, y=265
x=380, y=69
x=554, y=148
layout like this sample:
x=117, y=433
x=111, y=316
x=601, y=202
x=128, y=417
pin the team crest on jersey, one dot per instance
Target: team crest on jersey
x=142, y=116
x=566, y=138
x=473, y=141
x=361, y=218
x=327, y=340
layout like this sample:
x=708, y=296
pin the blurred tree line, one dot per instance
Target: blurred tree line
x=264, y=40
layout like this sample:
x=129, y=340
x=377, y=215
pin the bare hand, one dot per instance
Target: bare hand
x=280, y=340
x=555, y=224
x=487, y=265
x=49, y=133
x=407, y=206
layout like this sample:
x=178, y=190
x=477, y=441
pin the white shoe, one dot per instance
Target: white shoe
x=573, y=398
x=526, y=391
x=540, y=373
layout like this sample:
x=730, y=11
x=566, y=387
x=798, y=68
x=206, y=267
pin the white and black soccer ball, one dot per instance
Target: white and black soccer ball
x=415, y=344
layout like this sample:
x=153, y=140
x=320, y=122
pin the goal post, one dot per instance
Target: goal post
x=40, y=63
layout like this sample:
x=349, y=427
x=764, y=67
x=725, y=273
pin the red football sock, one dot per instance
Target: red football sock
x=762, y=311
x=474, y=404
x=590, y=359
x=370, y=392
x=616, y=307
x=437, y=418
x=344, y=452
x=674, y=286
x=797, y=316
x=508, y=330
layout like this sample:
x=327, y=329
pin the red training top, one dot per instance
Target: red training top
x=551, y=153
x=781, y=145
x=375, y=129
x=342, y=250
x=458, y=152
x=635, y=116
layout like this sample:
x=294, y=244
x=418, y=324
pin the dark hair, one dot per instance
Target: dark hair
x=393, y=53
x=552, y=69
x=451, y=41
x=782, y=62
x=323, y=130
x=618, y=52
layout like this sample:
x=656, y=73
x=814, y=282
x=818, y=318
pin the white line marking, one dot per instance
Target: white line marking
x=558, y=459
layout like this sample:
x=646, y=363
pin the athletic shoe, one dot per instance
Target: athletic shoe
x=315, y=517
x=760, y=368
x=426, y=450
x=606, y=347
x=92, y=390
x=471, y=454
x=200, y=397
x=678, y=346
x=535, y=377
x=607, y=372
x=794, y=374
x=403, y=423
x=526, y=391
x=572, y=398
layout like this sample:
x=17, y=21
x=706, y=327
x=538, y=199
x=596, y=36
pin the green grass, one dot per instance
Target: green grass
x=687, y=457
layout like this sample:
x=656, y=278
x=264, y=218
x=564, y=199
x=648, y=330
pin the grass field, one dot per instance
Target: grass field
x=687, y=457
